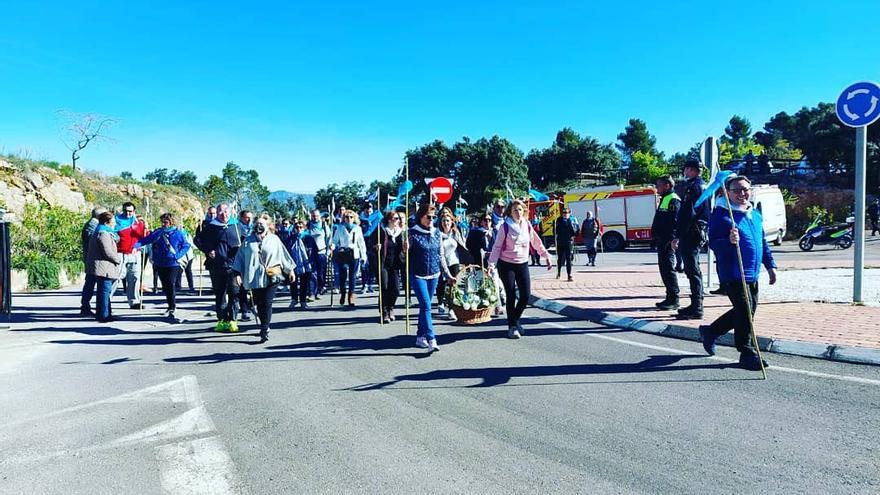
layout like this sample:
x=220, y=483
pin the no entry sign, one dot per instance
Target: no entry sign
x=441, y=189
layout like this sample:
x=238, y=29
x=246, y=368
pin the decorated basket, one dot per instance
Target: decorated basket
x=473, y=296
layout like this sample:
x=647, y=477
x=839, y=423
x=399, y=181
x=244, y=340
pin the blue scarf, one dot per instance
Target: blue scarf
x=123, y=223
x=105, y=228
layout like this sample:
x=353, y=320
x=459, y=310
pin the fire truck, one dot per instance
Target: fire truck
x=625, y=213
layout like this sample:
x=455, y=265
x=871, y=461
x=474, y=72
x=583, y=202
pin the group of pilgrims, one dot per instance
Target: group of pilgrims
x=249, y=259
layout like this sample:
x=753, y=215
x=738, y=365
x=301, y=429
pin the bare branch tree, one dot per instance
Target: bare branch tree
x=82, y=129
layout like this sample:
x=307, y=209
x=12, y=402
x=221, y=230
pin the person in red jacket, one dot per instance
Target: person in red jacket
x=130, y=229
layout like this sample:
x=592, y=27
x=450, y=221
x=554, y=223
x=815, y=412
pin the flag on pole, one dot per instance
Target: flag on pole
x=538, y=196
x=462, y=201
x=717, y=182
x=373, y=196
x=509, y=193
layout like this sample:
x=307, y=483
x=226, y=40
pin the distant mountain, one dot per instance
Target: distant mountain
x=283, y=195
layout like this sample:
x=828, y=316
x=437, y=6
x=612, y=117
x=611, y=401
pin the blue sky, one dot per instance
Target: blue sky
x=319, y=92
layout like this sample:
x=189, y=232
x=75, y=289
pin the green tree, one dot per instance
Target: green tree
x=428, y=161
x=635, y=137
x=737, y=132
x=568, y=157
x=488, y=167
x=237, y=186
x=646, y=168
x=349, y=195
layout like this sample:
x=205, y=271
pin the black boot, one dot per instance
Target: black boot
x=264, y=335
x=692, y=312
x=668, y=304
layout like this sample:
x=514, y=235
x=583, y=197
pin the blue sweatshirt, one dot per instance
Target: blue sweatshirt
x=169, y=245
x=752, y=244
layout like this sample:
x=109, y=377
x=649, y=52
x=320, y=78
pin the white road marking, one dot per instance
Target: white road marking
x=816, y=374
x=194, y=422
x=201, y=466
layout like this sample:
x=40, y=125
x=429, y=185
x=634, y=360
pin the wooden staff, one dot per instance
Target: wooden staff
x=406, y=229
x=745, y=288
x=379, y=257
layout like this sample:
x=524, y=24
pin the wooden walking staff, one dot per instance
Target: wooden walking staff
x=379, y=258
x=406, y=231
x=745, y=288
x=330, y=272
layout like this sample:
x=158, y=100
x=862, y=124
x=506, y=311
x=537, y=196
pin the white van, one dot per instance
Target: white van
x=768, y=200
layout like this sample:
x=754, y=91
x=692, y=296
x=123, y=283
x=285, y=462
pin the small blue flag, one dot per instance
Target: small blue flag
x=716, y=184
x=538, y=195
x=404, y=188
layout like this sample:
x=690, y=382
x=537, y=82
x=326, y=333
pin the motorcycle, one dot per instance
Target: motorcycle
x=840, y=234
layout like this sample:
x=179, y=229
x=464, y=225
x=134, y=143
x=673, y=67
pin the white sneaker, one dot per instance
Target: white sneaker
x=433, y=344
x=451, y=315
x=422, y=343
x=513, y=333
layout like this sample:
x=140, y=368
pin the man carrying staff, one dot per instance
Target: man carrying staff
x=690, y=235
x=318, y=230
x=745, y=232
x=661, y=232
x=130, y=229
x=219, y=240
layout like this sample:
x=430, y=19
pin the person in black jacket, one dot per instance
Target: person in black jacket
x=565, y=233
x=479, y=239
x=690, y=235
x=874, y=215
x=661, y=232
x=220, y=240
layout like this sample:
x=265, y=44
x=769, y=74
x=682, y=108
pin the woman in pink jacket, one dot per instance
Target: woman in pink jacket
x=510, y=252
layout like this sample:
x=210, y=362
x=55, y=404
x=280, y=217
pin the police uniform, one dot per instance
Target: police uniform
x=690, y=230
x=661, y=231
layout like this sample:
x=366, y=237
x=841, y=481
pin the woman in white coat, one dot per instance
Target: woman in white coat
x=348, y=248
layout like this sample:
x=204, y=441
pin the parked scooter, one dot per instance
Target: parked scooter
x=839, y=234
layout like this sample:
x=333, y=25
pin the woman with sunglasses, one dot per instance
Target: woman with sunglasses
x=392, y=263
x=425, y=265
x=348, y=248
x=511, y=253
x=451, y=240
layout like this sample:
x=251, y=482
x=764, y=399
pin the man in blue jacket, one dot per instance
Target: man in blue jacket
x=725, y=237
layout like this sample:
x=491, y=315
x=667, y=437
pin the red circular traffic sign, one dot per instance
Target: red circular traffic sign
x=441, y=189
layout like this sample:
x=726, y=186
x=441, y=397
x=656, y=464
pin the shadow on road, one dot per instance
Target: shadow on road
x=492, y=377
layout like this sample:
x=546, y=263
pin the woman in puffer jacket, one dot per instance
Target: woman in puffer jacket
x=169, y=248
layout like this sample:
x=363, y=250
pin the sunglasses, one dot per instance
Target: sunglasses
x=432, y=217
x=741, y=190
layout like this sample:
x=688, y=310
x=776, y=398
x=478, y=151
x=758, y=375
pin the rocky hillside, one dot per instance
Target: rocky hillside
x=25, y=182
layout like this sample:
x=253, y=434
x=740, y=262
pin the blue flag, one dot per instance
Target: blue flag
x=716, y=184
x=404, y=188
x=372, y=222
x=538, y=195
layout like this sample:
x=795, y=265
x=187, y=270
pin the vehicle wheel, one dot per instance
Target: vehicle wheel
x=613, y=241
x=806, y=243
x=778, y=240
x=845, y=242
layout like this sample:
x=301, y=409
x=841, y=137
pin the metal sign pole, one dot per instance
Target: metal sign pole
x=859, y=238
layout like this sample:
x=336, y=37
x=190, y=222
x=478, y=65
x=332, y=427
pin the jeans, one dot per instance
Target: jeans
x=690, y=255
x=737, y=318
x=424, y=289
x=517, y=286
x=347, y=273
x=88, y=292
x=169, y=276
x=263, y=302
x=666, y=264
x=319, y=275
x=105, y=287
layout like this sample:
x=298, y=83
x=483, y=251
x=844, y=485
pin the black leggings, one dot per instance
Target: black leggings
x=390, y=287
x=564, y=252
x=263, y=301
x=169, y=275
x=515, y=277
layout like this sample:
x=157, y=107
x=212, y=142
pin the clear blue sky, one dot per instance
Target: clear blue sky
x=318, y=92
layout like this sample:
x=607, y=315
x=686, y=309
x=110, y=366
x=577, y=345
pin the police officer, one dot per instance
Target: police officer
x=690, y=235
x=661, y=232
x=565, y=233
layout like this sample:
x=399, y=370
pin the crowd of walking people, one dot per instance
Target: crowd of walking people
x=251, y=259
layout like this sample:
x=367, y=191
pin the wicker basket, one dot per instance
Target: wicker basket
x=470, y=316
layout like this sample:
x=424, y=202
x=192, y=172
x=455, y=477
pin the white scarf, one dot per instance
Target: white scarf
x=516, y=227
x=392, y=233
x=419, y=228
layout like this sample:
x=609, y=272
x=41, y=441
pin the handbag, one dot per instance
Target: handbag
x=183, y=261
x=274, y=273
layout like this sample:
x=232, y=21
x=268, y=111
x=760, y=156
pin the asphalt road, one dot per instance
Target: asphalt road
x=334, y=403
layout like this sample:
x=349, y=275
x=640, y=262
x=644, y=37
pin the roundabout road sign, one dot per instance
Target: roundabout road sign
x=859, y=104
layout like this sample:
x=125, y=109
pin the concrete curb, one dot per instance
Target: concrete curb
x=858, y=355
